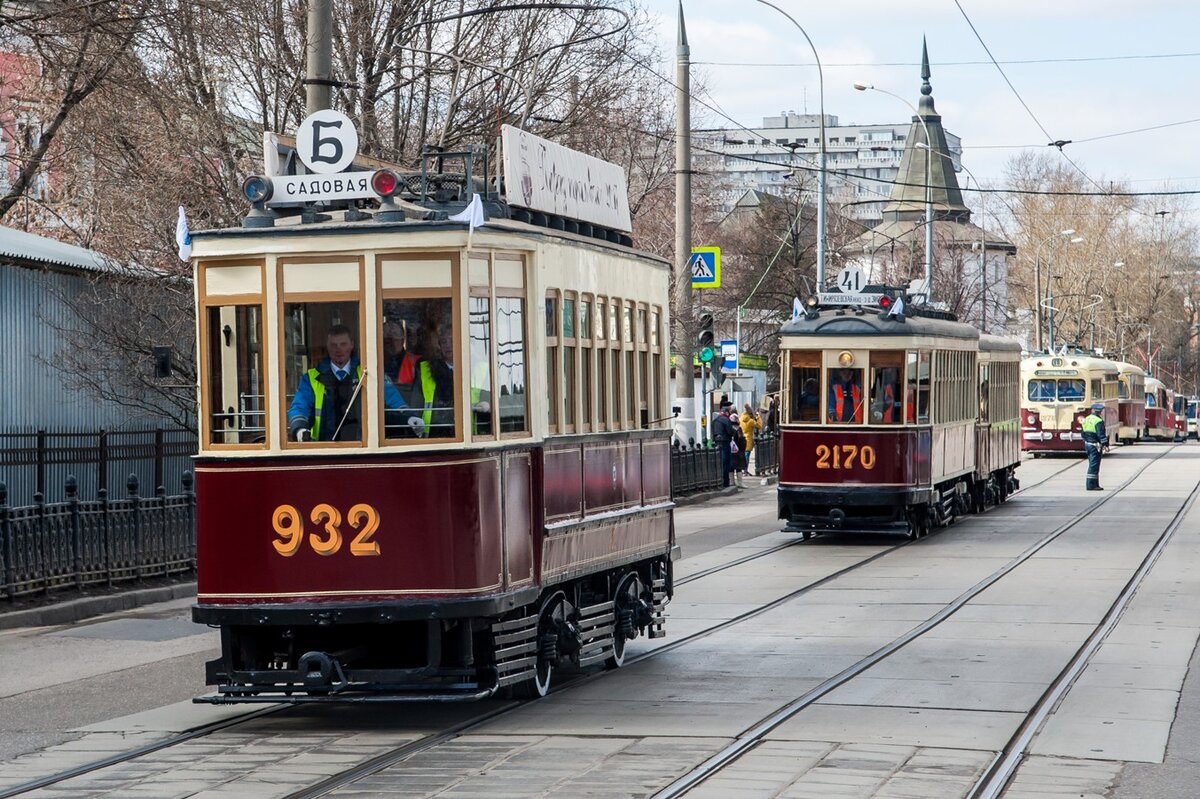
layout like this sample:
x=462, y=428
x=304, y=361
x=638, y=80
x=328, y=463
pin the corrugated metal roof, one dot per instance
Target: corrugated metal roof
x=29, y=248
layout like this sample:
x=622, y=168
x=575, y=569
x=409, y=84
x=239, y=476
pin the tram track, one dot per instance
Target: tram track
x=387, y=759
x=757, y=733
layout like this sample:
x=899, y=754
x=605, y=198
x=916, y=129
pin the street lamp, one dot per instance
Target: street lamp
x=928, y=146
x=1037, y=284
x=821, y=151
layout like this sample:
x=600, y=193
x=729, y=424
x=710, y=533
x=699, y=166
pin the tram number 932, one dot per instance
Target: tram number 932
x=845, y=456
x=289, y=526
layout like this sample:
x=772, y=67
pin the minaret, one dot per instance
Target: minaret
x=907, y=200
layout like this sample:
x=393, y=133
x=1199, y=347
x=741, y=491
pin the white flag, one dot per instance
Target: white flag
x=182, y=237
x=472, y=214
x=898, y=308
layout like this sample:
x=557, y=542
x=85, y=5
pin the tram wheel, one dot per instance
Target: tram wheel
x=626, y=599
x=538, y=685
x=806, y=535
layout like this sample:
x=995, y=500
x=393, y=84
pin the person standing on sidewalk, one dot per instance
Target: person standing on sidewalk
x=722, y=433
x=750, y=425
x=1095, y=441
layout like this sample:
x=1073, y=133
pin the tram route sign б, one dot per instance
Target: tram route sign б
x=705, y=267
x=326, y=143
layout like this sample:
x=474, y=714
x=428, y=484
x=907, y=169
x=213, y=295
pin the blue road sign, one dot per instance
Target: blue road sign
x=705, y=267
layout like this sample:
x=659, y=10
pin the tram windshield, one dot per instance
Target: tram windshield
x=886, y=370
x=418, y=352
x=236, y=414
x=1063, y=390
x=1151, y=400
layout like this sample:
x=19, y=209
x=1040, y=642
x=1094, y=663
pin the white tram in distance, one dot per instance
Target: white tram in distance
x=489, y=496
x=893, y=420
x=1057, y=392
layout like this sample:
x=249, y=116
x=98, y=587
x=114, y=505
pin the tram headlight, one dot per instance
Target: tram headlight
x=1031, y=419
x=257, y=189
x=845, y=359
x=385, y=183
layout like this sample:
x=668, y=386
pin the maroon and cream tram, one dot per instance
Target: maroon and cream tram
x=881, y=421
x=492, y=500
x=1160, y=411
x=998, y=428
x=1131, y=402
x=1057, y=393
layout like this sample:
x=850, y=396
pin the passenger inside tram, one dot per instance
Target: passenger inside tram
x=419, y=362
x=886, y=405
x=1071, y=390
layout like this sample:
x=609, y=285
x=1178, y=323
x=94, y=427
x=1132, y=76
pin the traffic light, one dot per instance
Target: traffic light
x=706, y=339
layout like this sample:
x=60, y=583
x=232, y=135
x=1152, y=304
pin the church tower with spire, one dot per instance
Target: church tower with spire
x=970, y=264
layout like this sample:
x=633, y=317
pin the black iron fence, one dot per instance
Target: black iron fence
x=40, y=461
x=74, y=544
x=697, y=467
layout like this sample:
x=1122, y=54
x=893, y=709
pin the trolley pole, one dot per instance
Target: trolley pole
x=318, y=78
x=685, y=392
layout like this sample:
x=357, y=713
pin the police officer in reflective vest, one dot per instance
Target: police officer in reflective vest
x=1095, y=441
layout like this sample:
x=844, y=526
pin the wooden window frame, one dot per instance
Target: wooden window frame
x=554, y=371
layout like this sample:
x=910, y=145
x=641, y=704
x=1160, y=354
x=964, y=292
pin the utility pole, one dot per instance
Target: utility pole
x=685, y=423
x=318, y=76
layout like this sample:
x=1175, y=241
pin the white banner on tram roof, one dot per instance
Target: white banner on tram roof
x=543, y=176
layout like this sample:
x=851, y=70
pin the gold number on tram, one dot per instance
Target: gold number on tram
x=330, y=517
x=290, y=528
x=368, y=517
x=843, y=456
x=288, y=523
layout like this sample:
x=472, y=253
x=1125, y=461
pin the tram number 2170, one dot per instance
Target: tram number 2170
x=845, y=456
x=289, y=526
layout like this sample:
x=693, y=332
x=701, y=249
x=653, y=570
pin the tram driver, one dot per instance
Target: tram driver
x=845, y=397
x=328, y=405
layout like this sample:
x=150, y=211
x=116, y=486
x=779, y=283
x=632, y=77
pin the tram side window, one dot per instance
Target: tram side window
x=1151, y=400
x=983, y=392
x=885, y=402
x=554, y=393
x=419, y=366
x=323, y=373
x=916, y=392
x=479, y=326
x=511, y=365
x=804, y=386
x=1123, y=388
x=237, y=414
x=1096, y=393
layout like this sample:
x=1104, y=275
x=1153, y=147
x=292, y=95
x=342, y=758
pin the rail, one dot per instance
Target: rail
x=76, y=544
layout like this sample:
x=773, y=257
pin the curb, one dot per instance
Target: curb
x=705, y=496
x=86, y=607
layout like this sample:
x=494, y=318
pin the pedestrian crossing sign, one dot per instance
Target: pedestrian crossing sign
x=705, y=267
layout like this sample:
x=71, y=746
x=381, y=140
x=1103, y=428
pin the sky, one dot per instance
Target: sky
x=1085, y=69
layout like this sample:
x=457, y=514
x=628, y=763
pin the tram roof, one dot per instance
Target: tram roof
x=998, y=343
x=1076, y=361
x=338, y=226
x=872, y=322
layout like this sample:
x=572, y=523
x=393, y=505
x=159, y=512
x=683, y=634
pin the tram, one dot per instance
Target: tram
x=1181, y=418
x=486, y=495
x=1131, y=402
x=1057, y=392
x=1160, y=411
x=882, y=422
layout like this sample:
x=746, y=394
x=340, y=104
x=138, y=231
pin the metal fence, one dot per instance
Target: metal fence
x=697, y=467
x=49, y=546
x=39, y=462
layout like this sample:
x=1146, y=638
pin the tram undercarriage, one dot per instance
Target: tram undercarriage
x=451, y=652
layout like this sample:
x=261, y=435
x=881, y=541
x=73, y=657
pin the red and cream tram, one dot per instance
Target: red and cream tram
x=881, y=420
x=1131, y=402
x=1160, y=411
x=1057, y=392
x=491, y=500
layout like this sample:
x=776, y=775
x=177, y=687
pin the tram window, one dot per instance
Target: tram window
x=510, y=365
x=1072, y=390
x=1123, y=388
x=1096, y=393
x=422, y=368
x=1040, y=390
x=916, y=392
x=804, y=386
x=237, y=413
x=479, y=326
x=584, y=332
x=844, y=399
x=317, y=338
x=885, y=402
x=553, y=391
x=983, y=392
x=568, y=363
x=1151, y=401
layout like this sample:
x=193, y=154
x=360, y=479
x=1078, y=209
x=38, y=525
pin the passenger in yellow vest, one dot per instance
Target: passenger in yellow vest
x=432, y=388
x=1095, y=441
x=328, y=401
